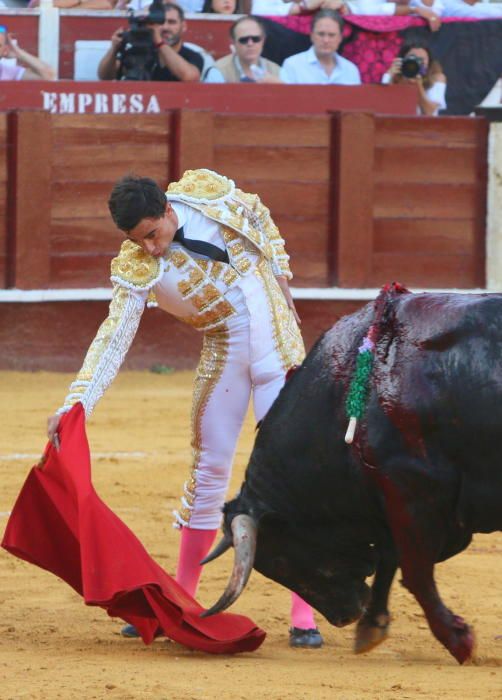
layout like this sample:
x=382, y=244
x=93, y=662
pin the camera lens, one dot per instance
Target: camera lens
x=411, y=66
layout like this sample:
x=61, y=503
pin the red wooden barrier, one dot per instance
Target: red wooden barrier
x=361, y=199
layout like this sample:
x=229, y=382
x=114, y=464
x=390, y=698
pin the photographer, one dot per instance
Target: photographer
x=170, y=60
x=414, y=64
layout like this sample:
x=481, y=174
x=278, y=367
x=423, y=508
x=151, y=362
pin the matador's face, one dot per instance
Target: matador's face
x=155, y=236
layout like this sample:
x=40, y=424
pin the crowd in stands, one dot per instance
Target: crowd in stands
x=172, y=59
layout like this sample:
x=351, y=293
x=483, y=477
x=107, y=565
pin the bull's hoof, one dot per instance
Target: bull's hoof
x=371, y=633
x=463, y=641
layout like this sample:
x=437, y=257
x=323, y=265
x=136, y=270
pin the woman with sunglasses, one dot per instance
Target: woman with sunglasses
x=245, y=64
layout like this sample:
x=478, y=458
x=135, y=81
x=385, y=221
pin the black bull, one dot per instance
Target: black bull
x=422, y=475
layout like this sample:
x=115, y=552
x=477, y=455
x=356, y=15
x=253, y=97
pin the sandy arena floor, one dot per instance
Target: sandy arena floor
x=52, y=646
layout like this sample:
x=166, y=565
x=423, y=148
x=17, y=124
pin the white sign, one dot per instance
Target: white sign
x=99, y=103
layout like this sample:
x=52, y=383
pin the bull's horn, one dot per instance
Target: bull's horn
x=222, y=546
x=244, y=536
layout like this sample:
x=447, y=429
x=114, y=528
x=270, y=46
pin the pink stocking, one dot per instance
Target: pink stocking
x=194, y=546
x=302, y=615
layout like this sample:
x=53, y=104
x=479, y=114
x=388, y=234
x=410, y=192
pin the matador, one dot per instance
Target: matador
x=210, y=255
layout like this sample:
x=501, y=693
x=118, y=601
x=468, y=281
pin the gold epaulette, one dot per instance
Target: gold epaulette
x=135, y=269
x=200, y=186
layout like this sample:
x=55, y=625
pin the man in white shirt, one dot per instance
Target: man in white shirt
x=321, y=64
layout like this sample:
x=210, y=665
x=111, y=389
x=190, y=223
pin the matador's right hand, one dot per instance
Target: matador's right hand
x=52, y=429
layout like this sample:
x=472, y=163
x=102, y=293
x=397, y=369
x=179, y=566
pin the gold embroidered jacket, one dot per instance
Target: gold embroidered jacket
x=191, y=288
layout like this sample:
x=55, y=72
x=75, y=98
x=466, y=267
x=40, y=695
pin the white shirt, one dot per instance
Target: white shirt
x=371, y=7
x=481, y=10
x=305, y=68
x=273, y=8
x=435, y=93
x=196, y=225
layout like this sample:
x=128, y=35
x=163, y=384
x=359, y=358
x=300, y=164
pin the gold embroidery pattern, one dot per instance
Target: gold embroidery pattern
x=107, y=350
x=201, y=184
x=134, y=267
x=212, y=318
x=236, y=249
x=229, y=235
x=178, y=258
x=207, y=297
x=211, y=365
x=230, y=276
x=152, y=299
x=195, y=279
x=287, y=337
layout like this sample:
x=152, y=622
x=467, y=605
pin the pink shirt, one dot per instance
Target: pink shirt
x=11, y=72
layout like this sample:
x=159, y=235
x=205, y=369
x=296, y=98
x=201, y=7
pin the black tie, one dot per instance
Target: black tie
x=201, y=247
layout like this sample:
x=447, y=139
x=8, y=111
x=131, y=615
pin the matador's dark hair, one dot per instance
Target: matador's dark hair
x=134, y=198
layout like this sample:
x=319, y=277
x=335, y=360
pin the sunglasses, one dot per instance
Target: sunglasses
x=251, y=37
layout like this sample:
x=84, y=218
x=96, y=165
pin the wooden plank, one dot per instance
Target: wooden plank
x=133, y=153
x=422, y=164
x=112, y=170
x=75, y=271
x=3, y=199
x=412, y=236
x=293, y=199
x=109, y=127
x=96, y=235
x=430, y=132
x=352, y=201
x=427, y=270
x=30, y=199
x=271, y=130
x=77, y=200
x=191, y=141
x=425, y=201
x=307, y=245
x=282, y=164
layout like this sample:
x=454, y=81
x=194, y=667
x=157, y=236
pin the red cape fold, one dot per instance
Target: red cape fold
x=60, y=524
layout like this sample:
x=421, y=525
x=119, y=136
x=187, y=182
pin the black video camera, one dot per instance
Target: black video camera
x=137, y=53
x=412, y=66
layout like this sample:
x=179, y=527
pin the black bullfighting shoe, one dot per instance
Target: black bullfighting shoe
x=130, y=632
x=305, y=639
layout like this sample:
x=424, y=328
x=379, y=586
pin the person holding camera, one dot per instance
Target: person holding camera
x=414, y=64
x=170, y=59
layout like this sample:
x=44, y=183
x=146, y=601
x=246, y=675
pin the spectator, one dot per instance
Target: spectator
x=171, y=60
x=472, y=9
x=78, y=4
x=11, y=55
x=430, y=80
x=191, y=5
x=245, y=64
x=430, y=10
x=321, y=64
x=221, y=7
x=271, y=8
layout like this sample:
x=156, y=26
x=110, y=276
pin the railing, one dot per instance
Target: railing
x=360, y=198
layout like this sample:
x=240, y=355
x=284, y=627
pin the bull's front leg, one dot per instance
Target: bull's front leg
x=373, y=626
x=416, y=528
x=450, y=629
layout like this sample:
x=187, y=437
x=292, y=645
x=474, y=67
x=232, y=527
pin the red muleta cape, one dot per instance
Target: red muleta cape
x=60, y=524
